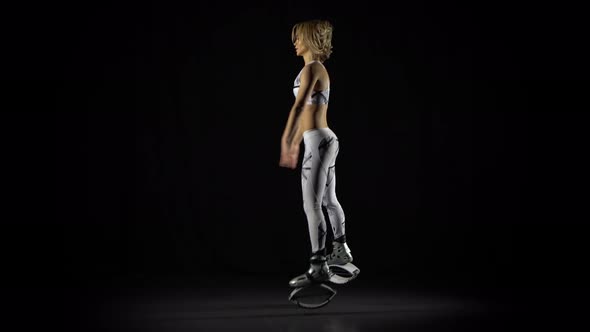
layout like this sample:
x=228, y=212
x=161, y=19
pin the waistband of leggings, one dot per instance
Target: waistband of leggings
x=315, y=131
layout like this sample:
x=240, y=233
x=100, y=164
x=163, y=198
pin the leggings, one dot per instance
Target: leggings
x=318, y=184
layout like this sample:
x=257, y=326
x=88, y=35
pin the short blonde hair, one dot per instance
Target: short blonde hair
x=316, y=35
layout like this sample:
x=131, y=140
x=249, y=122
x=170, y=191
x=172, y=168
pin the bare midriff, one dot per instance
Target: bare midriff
x=313, y=116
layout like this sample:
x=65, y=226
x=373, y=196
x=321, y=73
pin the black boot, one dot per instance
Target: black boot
x=318, y=272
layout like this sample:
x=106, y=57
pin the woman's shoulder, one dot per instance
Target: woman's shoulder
x=311, y=69
x=316, y=63
x=316, y=67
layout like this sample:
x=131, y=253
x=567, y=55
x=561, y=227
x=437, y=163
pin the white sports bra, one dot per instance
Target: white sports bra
x=317, y=97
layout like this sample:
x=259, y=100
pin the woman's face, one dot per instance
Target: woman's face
x=300, y=47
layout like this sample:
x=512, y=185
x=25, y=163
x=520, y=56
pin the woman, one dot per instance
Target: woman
x=307, y=121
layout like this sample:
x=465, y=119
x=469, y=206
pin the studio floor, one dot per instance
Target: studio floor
x=262, y=305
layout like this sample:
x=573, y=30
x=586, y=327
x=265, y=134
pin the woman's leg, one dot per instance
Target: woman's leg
x=320, y=150
x=335, y=211
x=341, y=253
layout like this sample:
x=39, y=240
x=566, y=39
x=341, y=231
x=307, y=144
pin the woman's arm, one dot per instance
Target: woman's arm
x=291, y=124
x=292, y=134
x=289, y=151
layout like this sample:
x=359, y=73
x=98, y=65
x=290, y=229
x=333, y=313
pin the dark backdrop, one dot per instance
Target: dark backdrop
x=459, y=142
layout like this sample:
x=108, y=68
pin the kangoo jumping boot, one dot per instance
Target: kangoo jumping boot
x=340, y=254
x=318, y=272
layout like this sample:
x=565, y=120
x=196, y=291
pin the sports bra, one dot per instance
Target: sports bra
x=317, y=97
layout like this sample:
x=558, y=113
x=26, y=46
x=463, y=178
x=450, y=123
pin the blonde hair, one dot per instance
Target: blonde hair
x=316, y=35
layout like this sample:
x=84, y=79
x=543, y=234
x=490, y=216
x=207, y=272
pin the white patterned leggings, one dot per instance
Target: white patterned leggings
x=318, y=184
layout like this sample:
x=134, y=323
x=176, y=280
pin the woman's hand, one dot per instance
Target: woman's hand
x=289, y=156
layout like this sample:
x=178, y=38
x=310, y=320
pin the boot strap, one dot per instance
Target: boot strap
x=317, y=259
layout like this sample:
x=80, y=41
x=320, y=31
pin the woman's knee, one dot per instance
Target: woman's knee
x=331, y=202
x=311, y=207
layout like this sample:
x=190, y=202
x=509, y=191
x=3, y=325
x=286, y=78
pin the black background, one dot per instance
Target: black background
x=461, y=142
